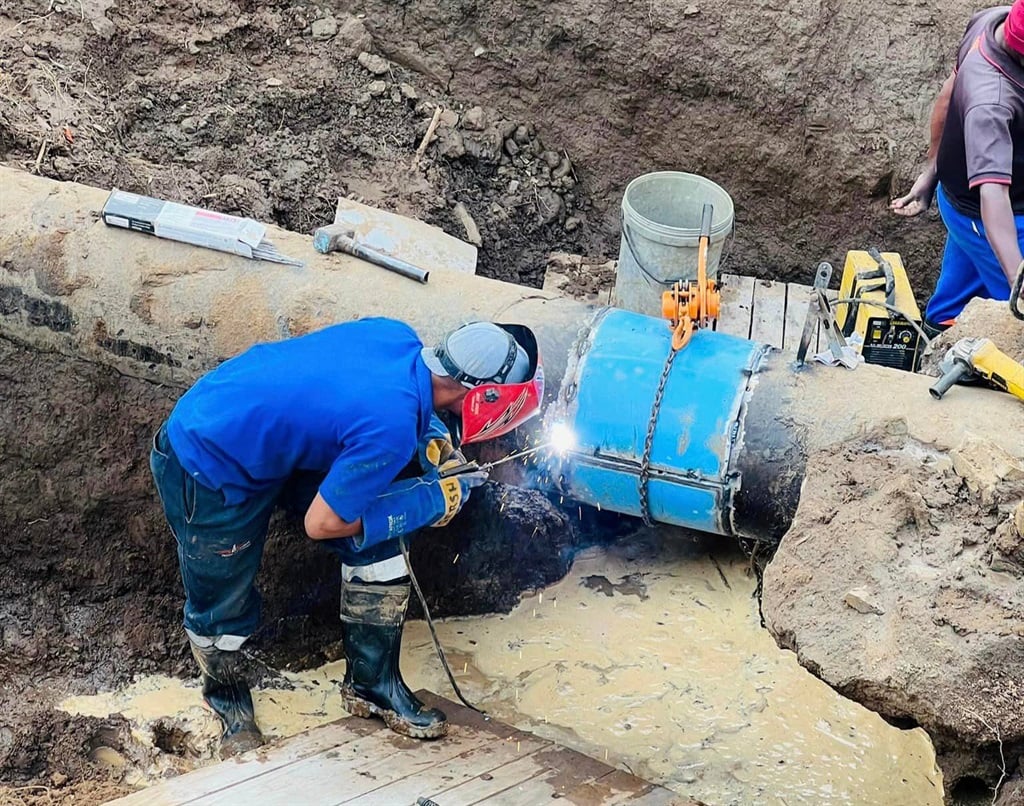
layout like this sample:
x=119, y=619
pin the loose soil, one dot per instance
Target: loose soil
x=901, y=583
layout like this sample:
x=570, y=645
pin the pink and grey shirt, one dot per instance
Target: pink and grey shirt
x=983, y=139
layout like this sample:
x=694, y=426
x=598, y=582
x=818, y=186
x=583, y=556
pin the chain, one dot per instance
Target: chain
x=645, y=461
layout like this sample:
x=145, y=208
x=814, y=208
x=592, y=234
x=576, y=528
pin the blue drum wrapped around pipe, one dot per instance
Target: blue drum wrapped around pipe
x=607, y=399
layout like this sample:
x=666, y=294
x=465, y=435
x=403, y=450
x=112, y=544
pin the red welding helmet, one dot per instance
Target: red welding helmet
x=505, y=377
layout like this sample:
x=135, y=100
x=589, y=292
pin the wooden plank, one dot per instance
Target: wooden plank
x=769, y=314
x=496, y=782
x=798, y=298
x=482, y=760
x=737, y=305
x=265, y=759
x=346, y=772
x=564, y=771
x=461, y=715
x=614, y=788
x=359, y=761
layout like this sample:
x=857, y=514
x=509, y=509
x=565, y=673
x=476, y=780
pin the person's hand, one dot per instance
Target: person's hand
x=435, y=449
x=919, y=199
x=471, y=480
x=411, y=504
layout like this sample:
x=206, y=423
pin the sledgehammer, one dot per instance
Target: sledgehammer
x=338, y=238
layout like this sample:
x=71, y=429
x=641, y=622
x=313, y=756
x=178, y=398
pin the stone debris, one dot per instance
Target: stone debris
x=375, y=64
x=324, y=28
x=861, y=601
x=984, y=466
x=472, y=231
x=474, y=119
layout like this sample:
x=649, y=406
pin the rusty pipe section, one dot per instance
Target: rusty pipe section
x=168, y=312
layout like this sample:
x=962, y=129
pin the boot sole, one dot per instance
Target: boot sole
x=357, y=706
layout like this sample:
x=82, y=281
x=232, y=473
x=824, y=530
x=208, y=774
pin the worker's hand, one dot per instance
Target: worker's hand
x=920, y=197
x=471, y=480
x=435, y=449
x=411, y=504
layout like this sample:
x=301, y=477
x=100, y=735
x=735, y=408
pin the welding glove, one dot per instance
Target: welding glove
x=411, y=504
x=435, y=449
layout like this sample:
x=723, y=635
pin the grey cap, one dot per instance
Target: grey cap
x=479, y=350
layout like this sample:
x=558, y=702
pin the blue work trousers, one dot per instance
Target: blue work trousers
x=969, y=266
x=220, y=545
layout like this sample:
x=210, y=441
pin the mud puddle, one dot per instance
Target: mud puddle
x=650, y=655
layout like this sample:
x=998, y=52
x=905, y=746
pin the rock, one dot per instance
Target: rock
x=562, y=169
x=691, y=11
x=552, y=158
x=145, y=104
x=860, y=600
x=28, y=51
x=511, y=147
x=449, y=119
x=451, y=145
x=274, y=82
x=944, y=647
x=468, y=224
x=377, y=88
x=549, y=205
x=189, y=125
x=58, y=779
x=984, y=466
x=324, y=28
x=474, y=119
x=374, y=64
x=513, y=187
x=408, y=91
x=572, y=223
x=352, y=36
x=521, y=135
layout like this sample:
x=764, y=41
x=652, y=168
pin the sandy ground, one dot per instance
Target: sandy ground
x=701, y=699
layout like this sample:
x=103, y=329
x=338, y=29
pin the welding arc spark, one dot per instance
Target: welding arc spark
x=561, y=438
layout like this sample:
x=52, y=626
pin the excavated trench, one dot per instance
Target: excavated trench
x=810, y=114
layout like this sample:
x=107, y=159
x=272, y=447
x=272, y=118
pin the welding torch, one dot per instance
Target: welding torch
x=471, y=467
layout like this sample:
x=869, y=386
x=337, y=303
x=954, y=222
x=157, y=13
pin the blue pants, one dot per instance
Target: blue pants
x=969, y=266
x=220, y=545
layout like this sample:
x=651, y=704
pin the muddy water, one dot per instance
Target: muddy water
x=648, y=654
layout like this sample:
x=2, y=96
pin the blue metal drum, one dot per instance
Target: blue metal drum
x=608, y=397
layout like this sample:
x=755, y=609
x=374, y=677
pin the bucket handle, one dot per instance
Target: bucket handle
x=651, y=279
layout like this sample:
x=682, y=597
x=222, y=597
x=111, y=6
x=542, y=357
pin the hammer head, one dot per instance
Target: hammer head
x=332, y=238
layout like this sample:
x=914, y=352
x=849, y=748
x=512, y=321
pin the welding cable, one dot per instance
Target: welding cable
x=433, y=632
x=888, y=307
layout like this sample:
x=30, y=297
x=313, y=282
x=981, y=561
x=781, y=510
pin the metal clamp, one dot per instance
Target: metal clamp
x=819, y=311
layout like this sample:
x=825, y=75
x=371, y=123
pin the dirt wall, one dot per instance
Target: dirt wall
x=811, y=114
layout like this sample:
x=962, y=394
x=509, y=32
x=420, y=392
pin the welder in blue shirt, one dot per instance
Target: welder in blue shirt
x=350, y=406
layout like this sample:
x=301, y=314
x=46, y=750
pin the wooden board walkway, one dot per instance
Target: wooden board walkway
x=766, y=310
x=359, y=761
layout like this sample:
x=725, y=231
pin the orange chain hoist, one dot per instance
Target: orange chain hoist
x=693, y=305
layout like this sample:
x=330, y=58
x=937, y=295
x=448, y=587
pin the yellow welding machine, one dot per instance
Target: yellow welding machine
x=883, y=334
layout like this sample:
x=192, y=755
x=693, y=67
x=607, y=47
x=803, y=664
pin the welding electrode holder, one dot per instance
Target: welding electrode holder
x=458, y=470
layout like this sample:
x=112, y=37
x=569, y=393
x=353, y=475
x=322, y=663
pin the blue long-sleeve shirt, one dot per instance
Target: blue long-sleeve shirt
x=351, y=400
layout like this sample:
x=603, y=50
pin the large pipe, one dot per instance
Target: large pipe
x=736, y=423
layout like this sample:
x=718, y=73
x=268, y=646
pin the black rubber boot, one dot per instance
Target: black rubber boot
x=372, y=616
x=226, y=691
